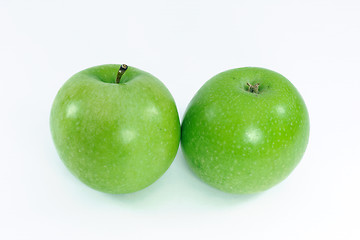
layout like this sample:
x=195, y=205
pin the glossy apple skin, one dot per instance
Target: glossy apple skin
x=242, y=142
x=116, y=138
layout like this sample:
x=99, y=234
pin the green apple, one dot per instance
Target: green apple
x=115, y=127
x=245, y=130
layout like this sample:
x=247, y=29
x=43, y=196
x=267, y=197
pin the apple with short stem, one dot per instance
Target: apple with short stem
x=115, y=127
x=245, y=130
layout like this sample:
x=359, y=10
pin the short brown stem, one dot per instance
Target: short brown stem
x=121, y=72
x=253, y=88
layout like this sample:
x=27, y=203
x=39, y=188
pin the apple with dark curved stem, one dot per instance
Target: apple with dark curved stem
x=115, y=127
x=245, y=130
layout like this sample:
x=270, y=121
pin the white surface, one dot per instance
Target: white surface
x=315, y=44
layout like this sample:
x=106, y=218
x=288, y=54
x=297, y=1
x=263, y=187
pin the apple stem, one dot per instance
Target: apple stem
x=121, y=72
x=253, y=88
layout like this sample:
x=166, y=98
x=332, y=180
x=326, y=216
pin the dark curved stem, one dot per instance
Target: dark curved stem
x=121, y=72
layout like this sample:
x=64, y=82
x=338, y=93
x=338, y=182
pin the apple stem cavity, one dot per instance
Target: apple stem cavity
x=121, y=72
x=253, y=88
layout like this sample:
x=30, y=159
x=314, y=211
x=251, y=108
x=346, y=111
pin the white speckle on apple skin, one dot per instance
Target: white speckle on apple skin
x=127, y=135
x=71, y=110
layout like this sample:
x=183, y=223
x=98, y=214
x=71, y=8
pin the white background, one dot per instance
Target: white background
x=315, y=44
